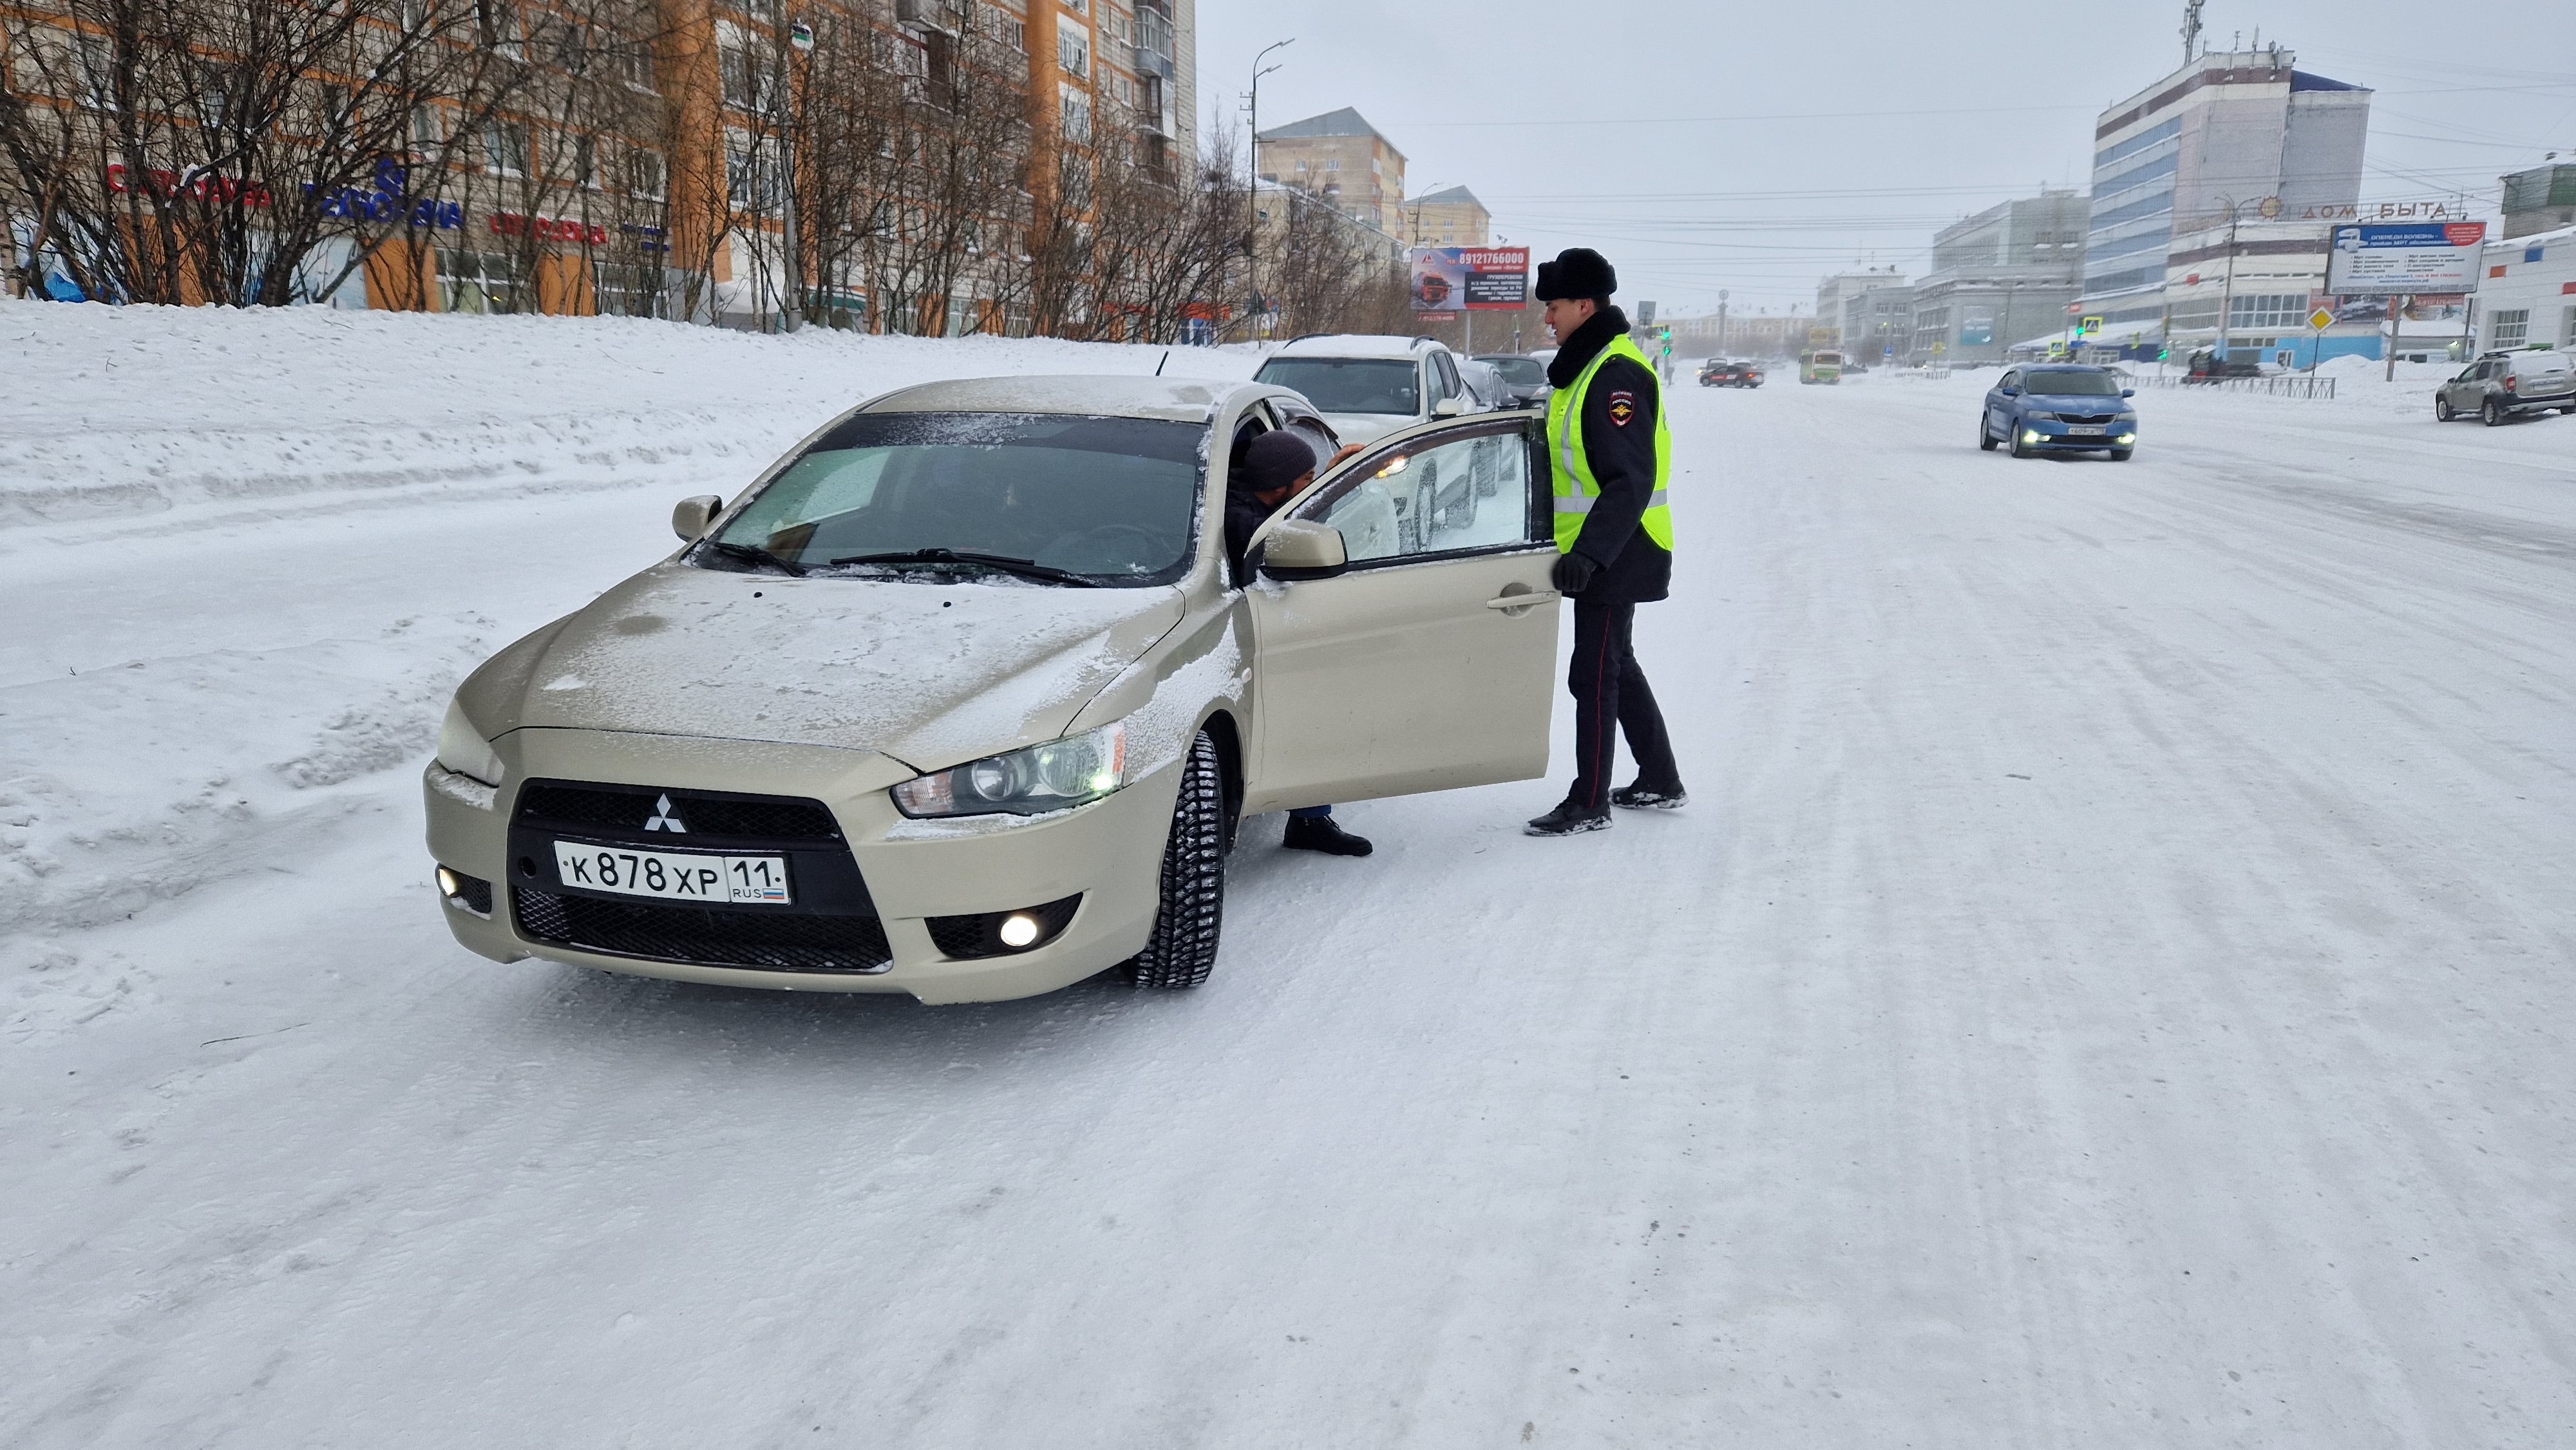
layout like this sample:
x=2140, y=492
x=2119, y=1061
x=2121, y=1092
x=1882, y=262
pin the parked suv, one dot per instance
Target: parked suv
x=1720, y=372
x=2503, y=385
x=1367, y=387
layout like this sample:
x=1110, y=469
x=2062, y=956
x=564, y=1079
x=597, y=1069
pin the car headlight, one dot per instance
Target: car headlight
x=462, y=748
x=1055, y=776
x=2039, y=417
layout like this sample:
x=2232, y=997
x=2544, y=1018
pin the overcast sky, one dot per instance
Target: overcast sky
x=1703, y=144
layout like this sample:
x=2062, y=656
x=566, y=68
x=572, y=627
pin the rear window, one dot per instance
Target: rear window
x=1517, y=369
x=1348, y=384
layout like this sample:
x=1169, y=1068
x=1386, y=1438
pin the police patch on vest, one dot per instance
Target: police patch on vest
x=1623, y=406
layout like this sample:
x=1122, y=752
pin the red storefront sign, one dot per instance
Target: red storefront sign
x=552, y=229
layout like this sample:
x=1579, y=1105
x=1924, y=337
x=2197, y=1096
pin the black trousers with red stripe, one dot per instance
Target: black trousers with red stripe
x=1611, y=698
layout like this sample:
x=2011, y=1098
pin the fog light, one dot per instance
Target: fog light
x=1019, y=929
x=2128, y=438
x=449, y=884
x=2030, y=435
x=1001, y=933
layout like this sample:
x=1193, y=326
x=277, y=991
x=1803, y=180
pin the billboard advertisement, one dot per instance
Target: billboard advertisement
x=1479, y=279
x=2383, y=259
x=1977, y=327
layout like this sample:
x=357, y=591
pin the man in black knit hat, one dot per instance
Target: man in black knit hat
x=1273, y=467
x=1610, y=455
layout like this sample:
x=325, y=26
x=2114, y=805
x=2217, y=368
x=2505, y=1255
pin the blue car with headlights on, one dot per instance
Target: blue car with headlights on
x=2060, y=408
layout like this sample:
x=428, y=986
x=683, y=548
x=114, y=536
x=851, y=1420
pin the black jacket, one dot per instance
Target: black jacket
x=1619, y=441
x=1243, y=514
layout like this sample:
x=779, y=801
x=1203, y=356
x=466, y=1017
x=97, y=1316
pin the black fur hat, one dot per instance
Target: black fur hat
x=1577, y=272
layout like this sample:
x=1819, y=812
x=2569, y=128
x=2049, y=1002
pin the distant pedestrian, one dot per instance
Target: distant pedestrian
x=1611, y=457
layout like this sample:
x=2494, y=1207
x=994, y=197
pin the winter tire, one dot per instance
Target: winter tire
x=2492, y=414
x=2019, y=448
x=1426, y=500
x=1985, y=440
x=1462, y=514
x=2442, y=410
x=2121, y=455
x=1182, y=950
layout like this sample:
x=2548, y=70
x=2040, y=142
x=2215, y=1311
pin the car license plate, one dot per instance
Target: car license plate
x=2083, y=430
x=673, y=875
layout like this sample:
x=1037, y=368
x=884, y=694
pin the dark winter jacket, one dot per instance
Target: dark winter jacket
x=1633, y=568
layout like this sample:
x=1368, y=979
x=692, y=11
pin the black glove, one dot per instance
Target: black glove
x=1572, y=573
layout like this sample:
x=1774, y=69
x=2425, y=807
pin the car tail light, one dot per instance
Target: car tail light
x=2512, y=384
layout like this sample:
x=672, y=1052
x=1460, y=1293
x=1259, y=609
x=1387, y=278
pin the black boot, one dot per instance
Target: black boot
x=1569, y=819
x=1323, y=833
x=1644, y=797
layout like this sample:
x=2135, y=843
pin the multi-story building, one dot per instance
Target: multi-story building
x=1835, y=292
x=1878, y=323
x=630, y=157
x=2242, y=134
x=1761, y=334
x=1451, y=217
x=2542, y=199
x=1340, y=157
x=1998, y=277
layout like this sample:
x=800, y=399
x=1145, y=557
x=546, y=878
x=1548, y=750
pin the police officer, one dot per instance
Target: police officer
x=1611, y=457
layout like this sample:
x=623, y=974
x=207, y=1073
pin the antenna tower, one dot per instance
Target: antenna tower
x=2191, y=28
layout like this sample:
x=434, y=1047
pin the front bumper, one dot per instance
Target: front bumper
x=2051, y=434
x=1108, y=853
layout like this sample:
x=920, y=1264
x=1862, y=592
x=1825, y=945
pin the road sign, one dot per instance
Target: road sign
x=2088, y=327
x=2320, y=319
x=2370, y=259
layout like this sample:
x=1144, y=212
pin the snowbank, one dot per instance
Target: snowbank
x=136, y=410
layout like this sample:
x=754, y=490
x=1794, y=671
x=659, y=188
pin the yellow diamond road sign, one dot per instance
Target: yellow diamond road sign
x=2320, y=319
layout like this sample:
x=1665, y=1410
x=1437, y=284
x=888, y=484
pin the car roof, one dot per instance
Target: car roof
x=1181, y=400
x=1353, y=344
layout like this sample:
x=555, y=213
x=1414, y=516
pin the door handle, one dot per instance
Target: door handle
x=1516, y=605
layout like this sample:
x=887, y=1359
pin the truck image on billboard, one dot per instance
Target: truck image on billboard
x=2381, y=259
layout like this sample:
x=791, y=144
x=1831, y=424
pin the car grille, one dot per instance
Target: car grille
x=2086, y=417
x=704, y=936
x=705, y=813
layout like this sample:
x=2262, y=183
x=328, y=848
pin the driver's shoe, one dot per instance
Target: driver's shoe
x=1323, y=833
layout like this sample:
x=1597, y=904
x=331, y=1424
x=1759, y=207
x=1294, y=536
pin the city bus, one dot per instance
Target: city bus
x=1821, y=366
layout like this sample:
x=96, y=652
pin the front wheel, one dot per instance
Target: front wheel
x=2019, y=448
x=2122, y=455
x=1985, y=440
x=2443, y=412
x=1182, y=950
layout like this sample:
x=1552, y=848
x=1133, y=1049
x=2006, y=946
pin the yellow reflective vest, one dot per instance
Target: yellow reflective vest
x=1572, y=470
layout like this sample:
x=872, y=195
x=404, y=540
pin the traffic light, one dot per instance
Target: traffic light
x=2163, y=352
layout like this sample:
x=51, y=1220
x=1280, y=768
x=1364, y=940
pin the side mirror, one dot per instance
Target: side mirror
x=1297, y=549
x=2010, y=392
x=1448, y=408
x=2128, y=392
x=691, y=515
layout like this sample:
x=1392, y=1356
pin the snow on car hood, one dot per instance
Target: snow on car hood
x=931, y=674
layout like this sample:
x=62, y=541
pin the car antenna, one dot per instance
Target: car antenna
x=1158, y=367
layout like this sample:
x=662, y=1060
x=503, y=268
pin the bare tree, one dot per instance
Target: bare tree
x=208, y=150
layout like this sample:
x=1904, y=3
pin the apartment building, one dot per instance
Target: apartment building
x=1341, y=158
x=1835, y=293
x=628, y=156
x=1450, y=217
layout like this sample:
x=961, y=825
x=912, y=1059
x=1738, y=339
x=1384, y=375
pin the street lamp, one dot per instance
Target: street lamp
x=1252, y=237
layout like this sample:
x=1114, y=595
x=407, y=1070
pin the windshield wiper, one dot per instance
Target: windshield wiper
x=749, y=555
x=1025, y=568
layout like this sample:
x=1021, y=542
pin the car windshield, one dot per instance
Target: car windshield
x=1347, y=384
x=2075, y=385
x=1097, y=500
x=1519, y=370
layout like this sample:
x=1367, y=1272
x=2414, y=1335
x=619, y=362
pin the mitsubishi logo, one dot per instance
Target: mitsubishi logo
x=663, y=820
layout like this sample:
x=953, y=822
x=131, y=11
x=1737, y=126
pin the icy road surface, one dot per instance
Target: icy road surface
x=2110, y=988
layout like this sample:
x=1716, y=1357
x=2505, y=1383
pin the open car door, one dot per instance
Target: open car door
x=1425, y=658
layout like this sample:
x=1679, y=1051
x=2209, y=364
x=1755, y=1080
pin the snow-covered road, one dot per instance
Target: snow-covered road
x=2111, y=988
